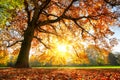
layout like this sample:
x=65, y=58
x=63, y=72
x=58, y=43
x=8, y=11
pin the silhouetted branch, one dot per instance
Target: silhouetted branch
x=68, y=7
x=45, y=31
x=10, y=45
x=64, y=16
x=83, y=29
x=27, y=10
x=40, y=40
x=53, y=27
x=113, y=2
x=45, y=13
x=59, y=5
x=58, y=18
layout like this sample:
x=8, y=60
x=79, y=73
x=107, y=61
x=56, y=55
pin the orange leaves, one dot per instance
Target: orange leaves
x=54, y=10
x=59, y=74
x=101, y=25
x=43, y=17
x=35, y=43
x=76, y=11
x=113, y=42
x=15, y=52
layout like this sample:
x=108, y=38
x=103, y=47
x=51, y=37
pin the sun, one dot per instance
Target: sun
x=62, y=48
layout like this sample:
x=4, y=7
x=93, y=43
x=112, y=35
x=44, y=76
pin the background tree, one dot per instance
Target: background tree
x=51, y=21
x=118, y=58
x=112, y=59
x=96, y=55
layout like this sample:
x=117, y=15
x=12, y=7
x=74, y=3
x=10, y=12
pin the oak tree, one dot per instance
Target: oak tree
x=56, y=21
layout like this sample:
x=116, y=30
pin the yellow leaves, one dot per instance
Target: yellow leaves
x=80, y=59
x=61, y=52
x=3, y=53
x=58, y=60
x=4, y=58
x=64, y=46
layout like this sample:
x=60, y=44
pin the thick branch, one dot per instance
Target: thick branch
x=38, y=10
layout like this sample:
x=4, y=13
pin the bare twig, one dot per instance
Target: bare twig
x=10, y=45
x=83, y=29
x=45, y=31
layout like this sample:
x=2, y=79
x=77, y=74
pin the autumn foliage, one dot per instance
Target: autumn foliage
x=60, y=32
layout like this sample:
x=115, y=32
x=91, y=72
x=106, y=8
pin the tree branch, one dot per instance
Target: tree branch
x=10, y=45
x=68, y=7
x=60, y=5
x=83, y=29
x=58, y=18
x=53, y=27
x=40, y=40
x=45, y=31
x=27, y=10
x=38, y=10
x=113, y=2
x=64, y=16
x=68, y=17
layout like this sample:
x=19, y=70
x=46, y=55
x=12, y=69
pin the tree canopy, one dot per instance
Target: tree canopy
x=7, y=10
x=58, y=30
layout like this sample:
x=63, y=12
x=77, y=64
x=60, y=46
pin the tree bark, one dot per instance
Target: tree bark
x=23, y=57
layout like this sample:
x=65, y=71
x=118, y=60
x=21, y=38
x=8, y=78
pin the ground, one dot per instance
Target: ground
x=59, y=74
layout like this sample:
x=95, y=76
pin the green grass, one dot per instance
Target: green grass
x=76, y=67
x=88, y=67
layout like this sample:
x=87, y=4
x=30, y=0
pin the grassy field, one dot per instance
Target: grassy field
x=76, y=67
x=88, y=67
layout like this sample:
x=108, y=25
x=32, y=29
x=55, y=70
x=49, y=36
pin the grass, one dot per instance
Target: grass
x=88, y=67
x=75, y=67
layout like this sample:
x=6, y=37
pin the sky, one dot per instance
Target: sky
x=116, y=35
x=116, y=29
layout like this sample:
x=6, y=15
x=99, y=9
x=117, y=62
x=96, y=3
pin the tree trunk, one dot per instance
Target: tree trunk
x=23, y=57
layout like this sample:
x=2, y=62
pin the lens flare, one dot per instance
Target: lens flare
x=62, y=48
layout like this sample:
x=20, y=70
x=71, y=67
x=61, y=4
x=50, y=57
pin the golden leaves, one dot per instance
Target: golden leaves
x=4, y=58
